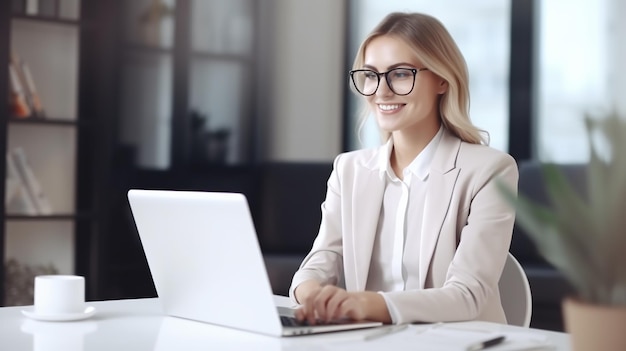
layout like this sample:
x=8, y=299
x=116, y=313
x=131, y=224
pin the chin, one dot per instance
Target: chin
x=387, y=127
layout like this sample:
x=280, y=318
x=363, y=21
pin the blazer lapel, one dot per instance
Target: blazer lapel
x=364, y=225
x=441, y=183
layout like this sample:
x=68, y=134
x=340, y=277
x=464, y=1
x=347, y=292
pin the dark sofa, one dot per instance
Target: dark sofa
x=548, y=286
x=289, y=217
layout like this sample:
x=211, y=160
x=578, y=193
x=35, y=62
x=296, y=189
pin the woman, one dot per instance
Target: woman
x=415, y=230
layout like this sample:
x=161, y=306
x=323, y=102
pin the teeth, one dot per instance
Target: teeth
x=389, y=107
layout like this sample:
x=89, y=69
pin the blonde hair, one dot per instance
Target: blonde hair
x=435, y=48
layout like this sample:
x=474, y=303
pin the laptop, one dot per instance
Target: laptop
x=207, y=265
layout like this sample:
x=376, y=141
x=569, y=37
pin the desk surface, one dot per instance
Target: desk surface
x=138, y=324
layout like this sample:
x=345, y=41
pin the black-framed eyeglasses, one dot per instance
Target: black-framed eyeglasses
x=400, y=80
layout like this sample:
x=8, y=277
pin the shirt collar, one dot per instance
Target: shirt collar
x=420, y=166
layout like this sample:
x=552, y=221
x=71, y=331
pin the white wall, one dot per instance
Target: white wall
x=617, y=55
x=307, y=81
x=580, y=72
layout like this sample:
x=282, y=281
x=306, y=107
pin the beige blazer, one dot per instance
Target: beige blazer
x=466, y=232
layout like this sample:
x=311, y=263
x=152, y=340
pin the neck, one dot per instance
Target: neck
x=408, y=145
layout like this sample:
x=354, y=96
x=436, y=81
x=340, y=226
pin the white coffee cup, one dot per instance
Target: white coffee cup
x=59, y=294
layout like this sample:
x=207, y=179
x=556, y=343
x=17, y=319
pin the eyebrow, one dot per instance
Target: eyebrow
x=391, y=67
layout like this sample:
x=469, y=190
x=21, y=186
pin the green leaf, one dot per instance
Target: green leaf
x=571, y=211
x=585, y=238
x=607, y=186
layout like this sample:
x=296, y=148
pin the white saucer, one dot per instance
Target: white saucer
x=88, y=312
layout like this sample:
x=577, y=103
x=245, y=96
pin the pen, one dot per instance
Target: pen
x=485, y=344
x=385, y=331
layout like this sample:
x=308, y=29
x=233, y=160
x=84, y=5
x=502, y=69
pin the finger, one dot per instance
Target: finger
x=308, y=310
x=311, y=304
x=299, y=313
x=333, y=311
x=344, y=309
x=307, y=305
x=352, y=309
x=321, y=301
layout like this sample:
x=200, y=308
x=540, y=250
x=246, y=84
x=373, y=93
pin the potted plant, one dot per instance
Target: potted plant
x=584, y=237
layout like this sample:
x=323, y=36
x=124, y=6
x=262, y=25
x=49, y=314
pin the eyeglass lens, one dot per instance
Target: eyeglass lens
x=400, y=81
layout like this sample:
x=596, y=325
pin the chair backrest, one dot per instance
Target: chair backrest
x=515, y=293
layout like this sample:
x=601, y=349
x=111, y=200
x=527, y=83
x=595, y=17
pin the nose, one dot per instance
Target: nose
x=383, y=87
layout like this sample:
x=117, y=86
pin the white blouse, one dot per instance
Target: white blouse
x=400, y=225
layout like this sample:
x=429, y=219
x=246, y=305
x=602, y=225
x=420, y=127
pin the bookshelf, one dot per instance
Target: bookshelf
x=48, y=47
x=61, y=44
x=118, y=114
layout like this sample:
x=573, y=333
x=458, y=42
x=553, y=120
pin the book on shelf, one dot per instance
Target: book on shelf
x=30, y=183
x=17, y=96
x=25, y=100
x=17, y=200
x=32, y=95
x=32, y=7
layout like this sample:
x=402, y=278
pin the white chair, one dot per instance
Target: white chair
x=515, y=293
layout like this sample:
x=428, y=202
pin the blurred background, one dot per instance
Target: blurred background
x=252, y=96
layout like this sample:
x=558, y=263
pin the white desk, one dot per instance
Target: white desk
x=138, y=324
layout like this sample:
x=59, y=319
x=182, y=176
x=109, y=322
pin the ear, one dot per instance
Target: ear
x=443, y=87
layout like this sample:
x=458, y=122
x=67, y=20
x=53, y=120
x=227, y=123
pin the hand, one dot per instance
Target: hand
x=328, y=303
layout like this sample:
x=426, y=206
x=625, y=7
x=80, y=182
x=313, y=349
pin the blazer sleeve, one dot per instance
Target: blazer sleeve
x=473, y=274
x=324, y=263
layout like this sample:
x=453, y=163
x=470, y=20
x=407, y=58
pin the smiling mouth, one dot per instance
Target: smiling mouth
x=389, y=107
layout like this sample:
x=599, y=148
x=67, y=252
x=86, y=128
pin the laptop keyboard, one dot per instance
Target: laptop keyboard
x=293, y=322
